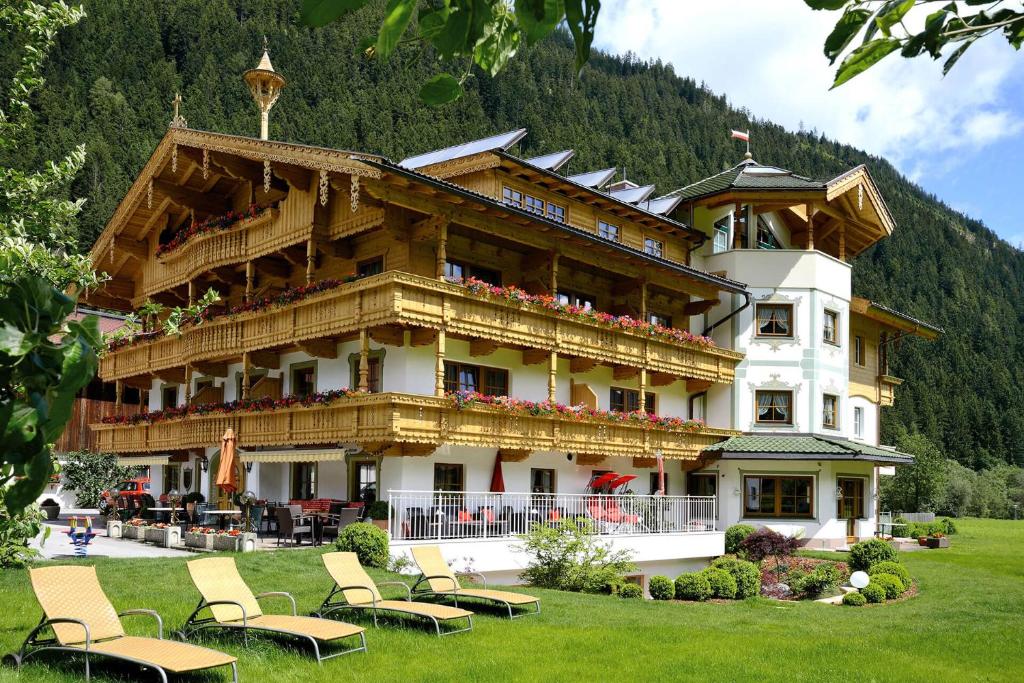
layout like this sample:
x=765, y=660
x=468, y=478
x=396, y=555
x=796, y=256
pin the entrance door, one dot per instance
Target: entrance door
x=851, y=504
x=218, y=497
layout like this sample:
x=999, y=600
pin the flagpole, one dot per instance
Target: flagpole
x=748, y=141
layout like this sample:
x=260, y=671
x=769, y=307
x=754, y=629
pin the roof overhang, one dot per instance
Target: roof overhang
x=895, y=458
x=295, y=455
x=142, y=460
x=801, y=447
x=894, y=319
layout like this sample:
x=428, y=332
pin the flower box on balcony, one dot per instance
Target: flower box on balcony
x=197, y=539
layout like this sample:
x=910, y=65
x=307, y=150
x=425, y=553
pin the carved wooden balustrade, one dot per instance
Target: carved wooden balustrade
x=402, y=299
x=394, y=422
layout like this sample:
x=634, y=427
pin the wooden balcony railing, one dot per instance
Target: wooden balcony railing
x=405, y=423
x=887, y=389
x=395, y=298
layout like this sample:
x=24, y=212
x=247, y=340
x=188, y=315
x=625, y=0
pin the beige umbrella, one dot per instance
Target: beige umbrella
x=227, y=478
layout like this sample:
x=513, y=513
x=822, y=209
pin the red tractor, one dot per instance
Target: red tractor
x=128, y=495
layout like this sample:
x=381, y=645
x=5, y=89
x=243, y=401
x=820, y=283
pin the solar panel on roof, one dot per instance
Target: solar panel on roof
x=553, y=161
x=661, y=206
x=633, y=195
x=593, y=179
x=503, y=142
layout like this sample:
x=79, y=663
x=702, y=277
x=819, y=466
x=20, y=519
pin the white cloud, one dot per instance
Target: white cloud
x=767, y=57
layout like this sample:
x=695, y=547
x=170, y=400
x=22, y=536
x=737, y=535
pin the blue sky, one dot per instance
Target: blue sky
x=959, y=137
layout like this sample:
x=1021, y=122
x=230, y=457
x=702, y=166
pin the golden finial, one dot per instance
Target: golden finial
x=265, y=84
x=178, y=121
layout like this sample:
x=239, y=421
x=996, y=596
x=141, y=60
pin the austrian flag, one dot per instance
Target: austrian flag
x=740, y=135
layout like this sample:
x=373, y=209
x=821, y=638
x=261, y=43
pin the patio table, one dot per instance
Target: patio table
x=224, y=514
x=165, y=511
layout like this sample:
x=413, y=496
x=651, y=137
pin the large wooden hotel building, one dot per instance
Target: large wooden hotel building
x=474, y=336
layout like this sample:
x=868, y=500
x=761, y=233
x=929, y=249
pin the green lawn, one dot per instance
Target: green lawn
x=967, y=623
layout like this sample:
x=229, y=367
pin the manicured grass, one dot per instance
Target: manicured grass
x=967, y=623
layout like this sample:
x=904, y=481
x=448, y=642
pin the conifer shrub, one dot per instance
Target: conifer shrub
x=693, y=586
x=661, y=588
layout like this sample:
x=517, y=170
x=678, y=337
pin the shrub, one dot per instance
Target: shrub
x=378, y=510
x=89, y=474
x=889, y=583
x=661, y=588
x=947, y=526
x=570, y=557
x=16, y=531
x=734, y=535
x=893, y=569
x=867, y=553
x=722, y=583
x=746, y=574
x=873, y=592
x=368, y=542
x=907, y=530
x=764, y=543
x=824, y=578
x=631, y=591
x=854, y=600
x=693, y=586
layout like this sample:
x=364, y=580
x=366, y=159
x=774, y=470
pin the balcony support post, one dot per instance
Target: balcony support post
x=554, y=273
x=643, y=300
x=842, y=242
x=810, y=227
x=249, y=277
x=118, y=393
x=439, y=365
x=364, y=360
x=442, y=249
x=188, y=381
x=310, y=259
x=191, y=292
x=738, y=239
x=245, y=375
x=643, y=391
x=553, y=376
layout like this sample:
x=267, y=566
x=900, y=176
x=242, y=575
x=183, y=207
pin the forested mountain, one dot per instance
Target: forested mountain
x=110, y=81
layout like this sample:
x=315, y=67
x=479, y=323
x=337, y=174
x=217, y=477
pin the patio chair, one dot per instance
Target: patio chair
x=84, y=622
x=361, y=593
x=438, y=579
x=233, y=606
x=336, y=522
x=290, y=526
x=254, y=522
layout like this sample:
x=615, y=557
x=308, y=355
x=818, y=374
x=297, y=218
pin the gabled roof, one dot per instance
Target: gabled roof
x=747, y=175
x=801, y=447
x=593, y=179
x=553, y=161
x=494, y=143
x=893, y=318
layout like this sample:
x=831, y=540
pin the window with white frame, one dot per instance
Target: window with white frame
x=654, y=247
x=858, y=350
x=774, y=407
x=721, y=238
x=608, y=231
x=858, y=422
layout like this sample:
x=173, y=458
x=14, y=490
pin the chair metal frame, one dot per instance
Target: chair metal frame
x=327, y=607
x=454, y=593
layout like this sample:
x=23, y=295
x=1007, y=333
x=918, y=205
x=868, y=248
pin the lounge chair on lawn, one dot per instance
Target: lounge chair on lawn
x=361, y=593
x=84, y=622
x=439, y=579
x=233, y=606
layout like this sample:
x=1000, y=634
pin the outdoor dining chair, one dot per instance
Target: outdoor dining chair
x=359, y=592
x=232, y=605
x=292, y=527
x=83, y=622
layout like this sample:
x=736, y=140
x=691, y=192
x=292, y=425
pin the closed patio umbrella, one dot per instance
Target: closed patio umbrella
x=227, y=478
x=497, y=479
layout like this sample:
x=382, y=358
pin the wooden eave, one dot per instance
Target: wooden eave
x=890, y=319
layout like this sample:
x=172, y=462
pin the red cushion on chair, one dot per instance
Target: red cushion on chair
x=554, y=515
x=465, y=516
x=489, y=515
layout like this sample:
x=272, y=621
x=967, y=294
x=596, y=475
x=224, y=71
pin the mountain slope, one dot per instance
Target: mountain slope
x=111, y=78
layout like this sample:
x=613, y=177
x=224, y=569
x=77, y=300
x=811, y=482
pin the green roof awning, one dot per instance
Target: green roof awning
x=801, y=447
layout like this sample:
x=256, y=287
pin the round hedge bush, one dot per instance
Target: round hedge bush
x=873, y=592
x=946, y=526
x=890, y=584
x=693, y=587
x=661, y=588
x=893, y=569
x=368, y=542
x=631, y=591
x=722, y=583
x=867, y=553
x=746, y=574
x=854, y=600
x=734, y=535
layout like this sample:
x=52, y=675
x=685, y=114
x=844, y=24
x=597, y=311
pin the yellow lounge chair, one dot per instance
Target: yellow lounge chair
x=84, y=622
x=441, y=580
x=361, y=593
x=233, y=606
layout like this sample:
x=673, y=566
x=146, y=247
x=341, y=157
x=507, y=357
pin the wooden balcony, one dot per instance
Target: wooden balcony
x=405, y=424
x=396, y=300
x=887, y=389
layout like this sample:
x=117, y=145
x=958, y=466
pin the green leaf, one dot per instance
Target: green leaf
x=955, y=57
x=452, y=38
x=318, y=13
x=441, y=89
x=431, y=20
x=846, y=28
x=499, y=44
x=826, y=4
x=399, y=13
x=14, y=342
x=892, y=13
x=581, y=15
x=538, y=18
x=863, y=58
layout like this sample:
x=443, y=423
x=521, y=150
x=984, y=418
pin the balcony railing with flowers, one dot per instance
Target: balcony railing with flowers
x=382, y=421
x=411, y=301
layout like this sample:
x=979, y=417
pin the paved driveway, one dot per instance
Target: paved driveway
x=57, y=545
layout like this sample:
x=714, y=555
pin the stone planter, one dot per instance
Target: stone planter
x=225, y=542
x=938, y=542
x=133, y=532
x=381, y=524
x=169, y=537
x=114, y=528
x=246, y=543
x=202, y=541
x=153, y=534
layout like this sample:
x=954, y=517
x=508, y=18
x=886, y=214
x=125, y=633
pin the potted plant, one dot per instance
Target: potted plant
x=226, y=540
x=199, y=537
x=938, y=540
x=155, y=533
x=134, y=529
x=51, y=508
x=378, y=513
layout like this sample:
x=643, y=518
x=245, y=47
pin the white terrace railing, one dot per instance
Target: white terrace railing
x=436, y=515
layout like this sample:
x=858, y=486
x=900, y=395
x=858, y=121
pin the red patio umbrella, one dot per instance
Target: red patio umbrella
x=497, y=479
x=661, y=474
